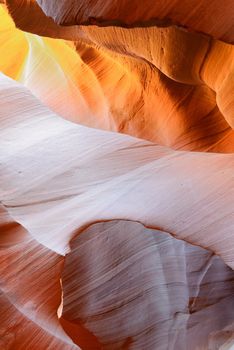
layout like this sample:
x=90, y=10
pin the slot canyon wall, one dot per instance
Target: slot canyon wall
x=116, y=175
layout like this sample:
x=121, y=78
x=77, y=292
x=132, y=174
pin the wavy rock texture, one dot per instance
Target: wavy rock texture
x=122, y=164
x=109, y=241
x=217, y=18
x=132, y=180
x=147, y=291
x=30, y=291
x=168, y=74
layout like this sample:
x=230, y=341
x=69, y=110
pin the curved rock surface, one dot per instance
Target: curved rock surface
x=109, y=241
x=30, y=292
x=144, y=289
x=132, y=179
x=215, y=18
x=168, y=74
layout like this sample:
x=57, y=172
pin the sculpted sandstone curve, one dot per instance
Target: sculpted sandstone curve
x=116, y=175
x=122, y=164
x=214, y=18
x=164, y=111
x=126, y=294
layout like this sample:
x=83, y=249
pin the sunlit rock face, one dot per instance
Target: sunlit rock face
x=179, y=83
x=114, y=233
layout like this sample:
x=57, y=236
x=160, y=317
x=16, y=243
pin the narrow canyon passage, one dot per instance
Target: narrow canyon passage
x=116, y=175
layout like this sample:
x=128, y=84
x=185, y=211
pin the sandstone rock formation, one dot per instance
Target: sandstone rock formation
x=168, y=74
x=116, y=185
